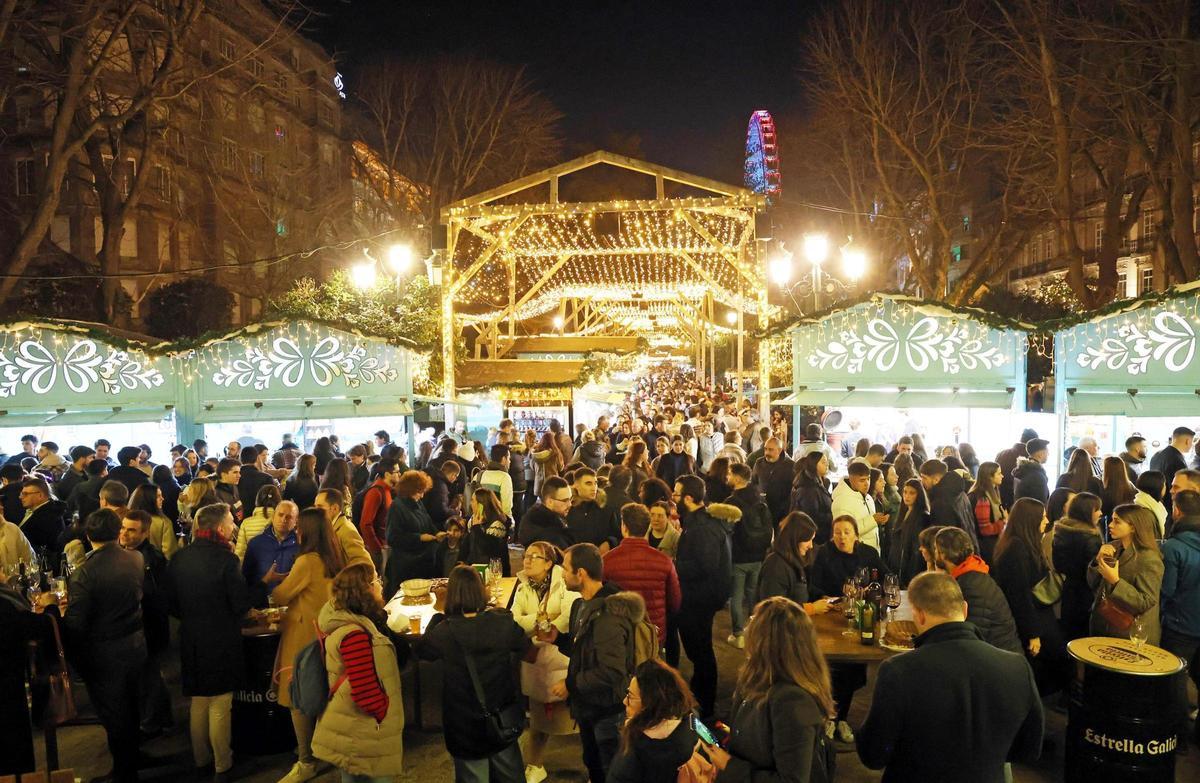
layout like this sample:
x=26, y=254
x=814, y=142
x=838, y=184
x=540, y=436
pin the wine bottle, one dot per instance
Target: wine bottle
x=866, y=623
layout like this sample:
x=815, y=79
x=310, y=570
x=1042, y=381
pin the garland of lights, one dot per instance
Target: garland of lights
x=596, y=365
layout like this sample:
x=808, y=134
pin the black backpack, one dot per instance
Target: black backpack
x=356, y=507
x=754, y=531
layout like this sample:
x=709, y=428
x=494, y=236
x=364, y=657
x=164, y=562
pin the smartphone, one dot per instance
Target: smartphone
x=834, y=600
x=702, y=731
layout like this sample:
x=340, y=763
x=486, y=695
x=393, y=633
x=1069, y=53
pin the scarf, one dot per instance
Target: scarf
x=541, y=588
x=972, y=563
x=213, y=535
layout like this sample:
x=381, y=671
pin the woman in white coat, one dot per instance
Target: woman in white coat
x=542, y=597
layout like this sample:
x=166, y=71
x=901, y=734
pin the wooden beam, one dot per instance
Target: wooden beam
x=726, y=207
x=722, y=248
x=699, y=269
x=484, y=257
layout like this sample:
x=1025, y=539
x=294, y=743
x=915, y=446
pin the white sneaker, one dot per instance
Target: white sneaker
x=299, y=773
x=844, y=733
x=534, y=774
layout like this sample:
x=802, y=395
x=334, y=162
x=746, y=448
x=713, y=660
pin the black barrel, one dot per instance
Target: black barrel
x=1120, y=723
x=261, y=726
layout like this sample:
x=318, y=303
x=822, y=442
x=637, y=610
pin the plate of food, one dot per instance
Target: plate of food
x=899, y=636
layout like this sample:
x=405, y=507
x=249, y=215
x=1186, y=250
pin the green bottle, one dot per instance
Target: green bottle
x=866, y=623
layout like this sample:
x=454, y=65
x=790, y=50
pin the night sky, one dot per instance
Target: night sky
x=675, y=82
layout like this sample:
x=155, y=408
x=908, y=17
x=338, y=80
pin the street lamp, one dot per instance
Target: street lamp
x=558, y=322
x=399, y=257
x=731, y=318
x=854, y=262
x=780, y=268
x=363, y=275
x=816, y=250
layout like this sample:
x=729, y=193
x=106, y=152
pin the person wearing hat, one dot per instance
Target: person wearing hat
x=76, y=474
x=1174, y=457
x=1030, y=475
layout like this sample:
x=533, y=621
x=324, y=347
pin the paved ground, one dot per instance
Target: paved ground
x=426, y=761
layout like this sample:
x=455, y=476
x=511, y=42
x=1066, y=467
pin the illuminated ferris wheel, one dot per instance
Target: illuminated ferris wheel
x=762, y=156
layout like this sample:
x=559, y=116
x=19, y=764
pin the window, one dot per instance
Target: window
x=228, y=50
x=228, y=153
x=256, y=67
x=226, y=107
x=1147, y=280
x=1122, y=285
x=1147, y=224
x=281, y=82
x=1099, y=234
x=280, y=227
x=162, y=182
x=24, y=116
x=126, y=175
x=254, y=113
x=326, y=154
x=24, y=177
x=324, y=113
x=280, y=131
x=257, y=164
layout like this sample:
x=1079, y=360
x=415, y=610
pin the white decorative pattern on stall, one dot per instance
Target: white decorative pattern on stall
x=925, y=344
x=288, y=362
x=1170, y=340
x=81, y=366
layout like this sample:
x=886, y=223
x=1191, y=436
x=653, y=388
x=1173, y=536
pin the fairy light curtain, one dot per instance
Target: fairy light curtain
x=895, y=351
x=1140, y=359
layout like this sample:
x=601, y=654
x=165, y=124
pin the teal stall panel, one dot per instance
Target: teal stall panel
x=1139, y=361
x=892, y=350
x=62, y=370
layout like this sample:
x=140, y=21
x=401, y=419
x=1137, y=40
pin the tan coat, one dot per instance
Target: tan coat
x=345, y=736
x=353, y=548
x=304, y=592
x=162, y=536
x=14, y=547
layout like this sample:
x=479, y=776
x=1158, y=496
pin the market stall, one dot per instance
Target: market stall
x=1132, y=368
x=307, y=377
x=893, y=364
x=74, y=382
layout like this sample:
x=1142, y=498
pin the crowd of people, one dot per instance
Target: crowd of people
x=632, y=536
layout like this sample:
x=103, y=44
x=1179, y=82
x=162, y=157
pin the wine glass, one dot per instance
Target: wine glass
x=495, y=570
x=849, y=595
x=1137, y=632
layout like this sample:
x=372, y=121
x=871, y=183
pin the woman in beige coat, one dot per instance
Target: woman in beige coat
x=542, y=596
x=1134, y=582
x=361, y=730
x=304, y=590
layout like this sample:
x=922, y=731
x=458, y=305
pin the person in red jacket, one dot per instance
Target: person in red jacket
x=377, y=499
x=636, y=566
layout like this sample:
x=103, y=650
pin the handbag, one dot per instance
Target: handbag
x=1117, y=618
x=60, y=702
x=696, y=769
x=505, y=725
x=1048, y=590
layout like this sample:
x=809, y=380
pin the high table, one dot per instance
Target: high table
x=399, y=616
x=261, y=725
x=847, y=649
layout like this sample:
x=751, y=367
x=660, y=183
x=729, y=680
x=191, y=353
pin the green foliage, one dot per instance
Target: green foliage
x=1050, y=301
x=188, y=308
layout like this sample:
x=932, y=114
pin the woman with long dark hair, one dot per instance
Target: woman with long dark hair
x=988, y=507
x=547, y=461
x=149, y=498
x=1150, y=488
x=304, y=591
x=487, y=537
x=716, y=481
x=782, y=701
x=163, y=477
x=337, y=476
x=1075, y=543
x=638, y=463
x=301, y=487
x=1128, y=572
x=657, y=738
x=654, y=490
x=905, y=468
x=1118, y=489
x=1019, y=565
x=811, y=495
x=966, y=452
x=1079, y=476
x=493, y=641
x=905, y=552
x=323, y=451
x=784, y=571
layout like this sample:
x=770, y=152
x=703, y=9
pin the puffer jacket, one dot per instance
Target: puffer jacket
x=346, y=736
x=811, y=496
x=1073, y=548
x=781, y=576
x=590, y=454
x=559, y=600
x=1030, y=481
x=849, y=501
x=542, y=524
x=636, y=566
x=754, y=530
x=949, y=506
x=987, y=608
x=1181, y=578
x=600, y=646
x=704, y=559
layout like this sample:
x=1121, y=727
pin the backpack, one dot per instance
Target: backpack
x=309, y=688
x=645, y=643
x=754, y=530
x=356, y=507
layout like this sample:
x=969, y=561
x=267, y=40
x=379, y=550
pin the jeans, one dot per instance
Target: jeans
x=745, y=588
x=156, y=700
x=846, y=678
x=695, y=625
x=507, y=766
x=1187, y=648
x=601, y=737
x=113, y=680
x=304, y=727
x=211, y=729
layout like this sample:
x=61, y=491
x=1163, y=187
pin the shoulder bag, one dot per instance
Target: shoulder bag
x=504, y=725
x=1114, y=615
x=60, y=702
x=1048, y=590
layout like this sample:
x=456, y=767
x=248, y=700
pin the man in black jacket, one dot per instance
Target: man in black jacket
x=948, y=502
x=750, y=541
x=774, y=474
x=127, y=472
x=544, y=521
x=600, y=648
x=76, y=472
x=1030, y=477
x=616, y=494
x=987, y=608
x=251, y=480
x=43, y=521
x=85, y=498
x=156, y=623
x=704, y=563
x=1173, y=458
x=209, y=596
x=916, y=730
x=588, y=521
x=103, y=622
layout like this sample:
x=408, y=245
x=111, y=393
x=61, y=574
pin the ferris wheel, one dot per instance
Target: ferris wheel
x=762, y=156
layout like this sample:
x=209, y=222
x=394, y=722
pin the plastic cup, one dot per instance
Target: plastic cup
x=414, y=623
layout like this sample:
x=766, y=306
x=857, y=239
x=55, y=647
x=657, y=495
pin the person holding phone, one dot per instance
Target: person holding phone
x=660, y=731
x=781, y=703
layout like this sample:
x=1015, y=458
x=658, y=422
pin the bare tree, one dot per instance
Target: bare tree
x=453, y=127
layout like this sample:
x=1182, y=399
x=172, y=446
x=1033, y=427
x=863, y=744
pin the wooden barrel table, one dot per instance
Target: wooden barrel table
x=1121, y=722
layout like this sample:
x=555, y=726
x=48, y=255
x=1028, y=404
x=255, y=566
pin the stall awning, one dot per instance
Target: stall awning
x=109, y=415
x=895, y=398
x=297, y=410
x=444, y=401
x=1132, y=402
